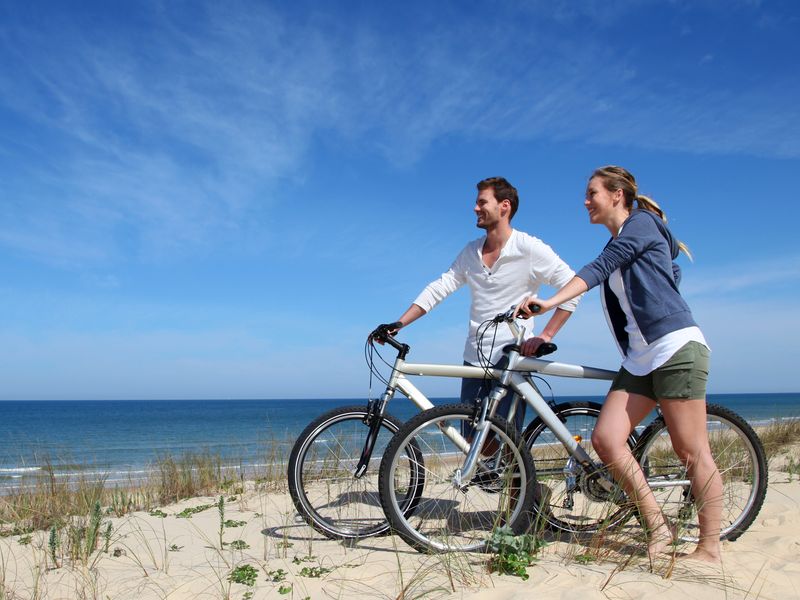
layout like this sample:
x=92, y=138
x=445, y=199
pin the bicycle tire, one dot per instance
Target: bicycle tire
x=741, y=461
x=569, y=500
x=321, y=478
x=449, y=518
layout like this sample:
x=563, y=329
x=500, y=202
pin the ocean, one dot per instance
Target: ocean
x=119, y=440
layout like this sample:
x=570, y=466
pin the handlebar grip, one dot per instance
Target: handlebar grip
x=534, y=308
x=545, y=349
x=384, y=331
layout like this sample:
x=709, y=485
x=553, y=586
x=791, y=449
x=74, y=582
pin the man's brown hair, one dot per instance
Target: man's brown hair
x=502, y=191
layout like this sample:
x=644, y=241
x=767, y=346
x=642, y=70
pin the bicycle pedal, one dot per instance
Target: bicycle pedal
x=489, y=481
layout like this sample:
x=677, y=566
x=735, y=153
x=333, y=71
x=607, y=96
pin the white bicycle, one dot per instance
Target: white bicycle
x=454, y=473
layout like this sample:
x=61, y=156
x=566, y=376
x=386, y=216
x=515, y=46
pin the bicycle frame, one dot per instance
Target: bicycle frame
x=513, y=376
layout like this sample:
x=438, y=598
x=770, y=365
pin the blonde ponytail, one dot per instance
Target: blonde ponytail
x=647, y=203
x=617, y=178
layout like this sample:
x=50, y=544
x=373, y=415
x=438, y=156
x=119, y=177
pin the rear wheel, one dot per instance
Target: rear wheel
x=322, y=481
x=571, y=500
x=741, y=461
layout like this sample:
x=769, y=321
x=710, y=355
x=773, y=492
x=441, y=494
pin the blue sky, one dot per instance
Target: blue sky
x=221, y=200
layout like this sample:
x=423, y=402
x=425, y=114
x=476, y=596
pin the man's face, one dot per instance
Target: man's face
x=488, y=210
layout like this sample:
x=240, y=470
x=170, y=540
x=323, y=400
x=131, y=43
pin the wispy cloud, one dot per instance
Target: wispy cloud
x=170, y=136
x=768, y=276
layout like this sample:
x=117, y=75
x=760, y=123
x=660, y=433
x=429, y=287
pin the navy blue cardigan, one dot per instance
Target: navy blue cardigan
x=644, y=252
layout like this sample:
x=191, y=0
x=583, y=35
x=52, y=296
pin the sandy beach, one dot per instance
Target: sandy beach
x=162, y=555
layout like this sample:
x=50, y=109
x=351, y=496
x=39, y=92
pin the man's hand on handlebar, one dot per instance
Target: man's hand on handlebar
x=381, y=332
x=531, y=345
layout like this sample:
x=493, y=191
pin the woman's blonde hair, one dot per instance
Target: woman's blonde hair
x=616, y=178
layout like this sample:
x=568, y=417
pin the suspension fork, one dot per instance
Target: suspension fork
x=373, y=419
x=465, y=474
x=488, y=407
x=375, y=411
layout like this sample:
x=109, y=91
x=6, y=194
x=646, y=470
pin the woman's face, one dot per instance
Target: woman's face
x=600, y=202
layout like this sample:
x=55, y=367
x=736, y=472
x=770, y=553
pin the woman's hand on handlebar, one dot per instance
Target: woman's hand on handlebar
x=531, y=306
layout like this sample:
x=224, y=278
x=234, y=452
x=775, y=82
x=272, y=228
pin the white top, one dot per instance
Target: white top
x=644, y=358
x=524, y=264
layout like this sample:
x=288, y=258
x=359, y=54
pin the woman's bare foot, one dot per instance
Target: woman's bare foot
x=703, y=554
x=661, y=540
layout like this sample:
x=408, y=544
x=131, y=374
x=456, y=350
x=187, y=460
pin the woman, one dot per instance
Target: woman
x=665, y=353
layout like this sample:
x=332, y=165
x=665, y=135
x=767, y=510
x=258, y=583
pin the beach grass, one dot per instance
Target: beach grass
x=778, y=436
x=70, y=521
x=49, y=500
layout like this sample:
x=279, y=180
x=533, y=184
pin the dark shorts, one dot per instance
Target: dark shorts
x=683, y=376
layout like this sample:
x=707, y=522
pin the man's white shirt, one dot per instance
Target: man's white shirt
x=524, y=265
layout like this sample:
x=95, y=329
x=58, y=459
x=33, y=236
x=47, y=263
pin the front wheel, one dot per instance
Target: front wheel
x=451, y=515
x=741, y=461
x=322, y=481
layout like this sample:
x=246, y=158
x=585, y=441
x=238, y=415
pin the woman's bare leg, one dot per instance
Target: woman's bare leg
x=621, y=412
x=686, y=422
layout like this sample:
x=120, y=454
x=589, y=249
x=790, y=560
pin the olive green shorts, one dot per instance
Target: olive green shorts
x=683, y=376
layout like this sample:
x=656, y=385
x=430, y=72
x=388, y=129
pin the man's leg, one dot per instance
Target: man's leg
x=472, y=390
x=519, y=410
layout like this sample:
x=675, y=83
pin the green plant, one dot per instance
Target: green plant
x=584, y=559
x=174, y=548
x=221, y=509
x=52, y=544
x=107, y=536
x=285, y=589
x=232, y=523
x=314, y=571
x=301, y=559
x=239, y=545
x=512, y=553
x=24, y=540
x=122, y=502
x=277, y=576
x=83, y=534
x=16, y=530
x=792, y=468
x=187, y=513
x=158, y=513
x=244, y=574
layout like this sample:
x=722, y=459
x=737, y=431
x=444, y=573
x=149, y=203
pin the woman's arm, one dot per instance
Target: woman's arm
x=574, y=287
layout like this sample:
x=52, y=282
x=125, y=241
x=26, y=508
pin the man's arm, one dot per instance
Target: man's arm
x=413, y=313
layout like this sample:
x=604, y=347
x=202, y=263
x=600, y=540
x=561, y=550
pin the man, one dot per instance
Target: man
x=500, y=268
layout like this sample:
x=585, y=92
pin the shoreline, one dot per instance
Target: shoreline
x=27, y=477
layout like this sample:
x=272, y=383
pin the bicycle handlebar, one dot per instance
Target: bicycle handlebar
x=508, y=316
x=384, y=334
